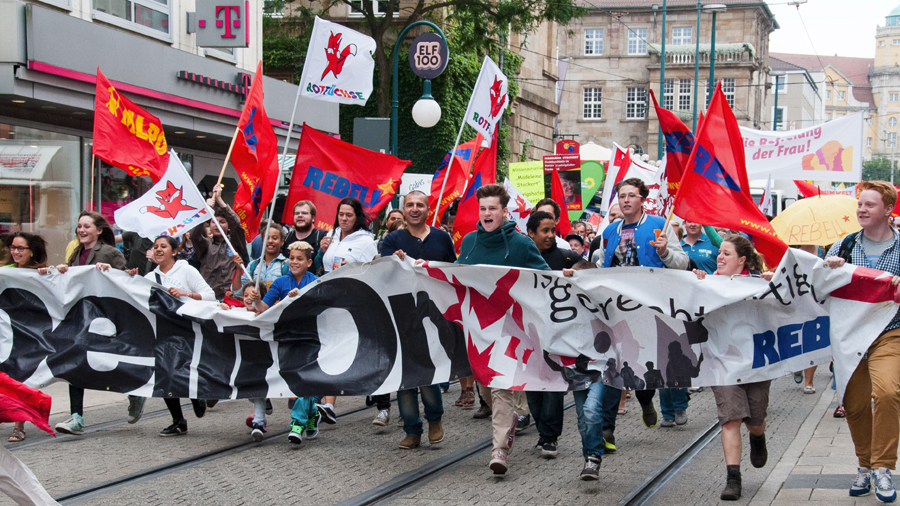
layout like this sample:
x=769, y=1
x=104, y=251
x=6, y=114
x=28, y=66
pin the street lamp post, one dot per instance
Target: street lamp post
x=426, y=112
x=662, y=81
x=711, y=85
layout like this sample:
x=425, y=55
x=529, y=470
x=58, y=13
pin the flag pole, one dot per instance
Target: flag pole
x=447, y=173
x=227, y=156
x=287, y=142
x=92, y=178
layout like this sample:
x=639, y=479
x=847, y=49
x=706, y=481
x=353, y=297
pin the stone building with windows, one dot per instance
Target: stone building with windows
x=796, y=98
x=613, y=59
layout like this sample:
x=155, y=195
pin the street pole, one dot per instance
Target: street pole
x=712, y=61
x=696, y=68
x=893, y=150
x=661, y=142
x=395, y=82
x=775, y=111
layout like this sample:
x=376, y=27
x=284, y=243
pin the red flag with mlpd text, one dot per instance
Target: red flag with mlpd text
x=255, y=157
x=458, y=175
x=19, y=403
x=557, y=194
x=327, y=170
x=127, y=136
x=679, y=142
x=715, y=190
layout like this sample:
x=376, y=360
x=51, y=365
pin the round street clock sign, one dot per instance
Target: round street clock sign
x=428, y=55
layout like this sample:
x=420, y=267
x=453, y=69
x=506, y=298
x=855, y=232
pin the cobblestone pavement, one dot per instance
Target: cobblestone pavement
x=353, y=457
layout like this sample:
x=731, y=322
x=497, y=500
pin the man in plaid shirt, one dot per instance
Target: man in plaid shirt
x=875, y=432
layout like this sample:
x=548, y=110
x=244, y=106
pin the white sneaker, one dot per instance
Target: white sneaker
x=884, y=487
x=383, y=418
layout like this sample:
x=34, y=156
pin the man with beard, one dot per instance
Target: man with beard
x=304, y=229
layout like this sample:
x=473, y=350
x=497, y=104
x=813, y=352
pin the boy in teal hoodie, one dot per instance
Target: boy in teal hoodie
x=496, y=242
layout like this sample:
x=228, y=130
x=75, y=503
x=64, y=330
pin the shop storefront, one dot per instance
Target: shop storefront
x=48, y=63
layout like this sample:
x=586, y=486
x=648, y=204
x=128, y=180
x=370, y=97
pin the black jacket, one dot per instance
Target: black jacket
x=559, y=259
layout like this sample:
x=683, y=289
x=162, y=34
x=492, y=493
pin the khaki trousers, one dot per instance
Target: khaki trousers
x=505, y=406
x=875, y=432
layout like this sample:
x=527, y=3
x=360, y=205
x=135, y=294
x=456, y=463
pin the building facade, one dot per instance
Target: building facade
x=49, y=55
x=613, y=56
x=796, y=98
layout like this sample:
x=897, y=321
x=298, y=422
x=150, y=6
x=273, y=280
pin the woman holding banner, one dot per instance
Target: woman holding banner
x=96, y=246
x=747, y=402
x=185, y=283
x=27, y=251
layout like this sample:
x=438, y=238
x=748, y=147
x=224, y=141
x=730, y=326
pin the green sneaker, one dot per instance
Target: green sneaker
x=296, y=434
x=312, y=425
x=74, y=425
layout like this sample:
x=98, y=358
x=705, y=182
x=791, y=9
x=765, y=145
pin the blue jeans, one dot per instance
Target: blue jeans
x=547, y=410
x=408, y=403
x=304, y=408
x=609, y=405
x=672, y=400
x=590, y=418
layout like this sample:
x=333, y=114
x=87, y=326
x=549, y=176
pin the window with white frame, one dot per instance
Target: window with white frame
x=637, y=41
x=891, y=139
x=150, y=17
x=593, y=42
x=681, y=36
x=842, y=95
x=635, y=103
x=378, y=7
x=892, y=97
x=728, y=88
x=827, y=94
x=895, y=42
x=669, y=95
x=892, y=122
x=780, y=83
x=593, y=101
x=868, y=142
x=881, y=43
x=684, y=94
x=779, y=117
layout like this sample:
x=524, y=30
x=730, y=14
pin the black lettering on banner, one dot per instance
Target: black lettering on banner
x=217, y=358
x=256, y=359
x=803, y=286
x=559, y=313
x=586, y=302
x=604, y=306
x=773, y=290
x=298, y=340
x=621, y=301
x=418, y=368
x=31, y=325
x=175, y=345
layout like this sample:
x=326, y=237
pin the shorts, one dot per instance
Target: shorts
x=743, y=402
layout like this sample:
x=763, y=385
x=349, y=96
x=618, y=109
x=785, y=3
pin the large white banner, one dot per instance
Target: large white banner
x=831, y=151
x=339, y=65
x=388, y=325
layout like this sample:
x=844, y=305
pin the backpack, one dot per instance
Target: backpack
x=285, y=270
x=847, y=245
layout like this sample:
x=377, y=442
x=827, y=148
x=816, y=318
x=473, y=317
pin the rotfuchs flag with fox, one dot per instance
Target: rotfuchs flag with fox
x=127, y=136
x=489, y=99
x=714, y=189
x=172, y=206
x=339, y=65
x=255, y=157
x=327, y=170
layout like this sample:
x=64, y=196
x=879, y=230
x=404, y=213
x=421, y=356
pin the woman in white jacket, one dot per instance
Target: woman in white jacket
x=185, y=283
x=349, y=241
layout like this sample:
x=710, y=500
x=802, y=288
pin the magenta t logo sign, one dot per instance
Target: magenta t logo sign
x=228, y=22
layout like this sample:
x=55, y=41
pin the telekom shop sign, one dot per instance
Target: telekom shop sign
x=220, y=23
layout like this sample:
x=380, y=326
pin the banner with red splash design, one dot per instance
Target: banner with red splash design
x=831, y=151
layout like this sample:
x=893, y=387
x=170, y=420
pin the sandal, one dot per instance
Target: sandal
x=461, y=400
x=18, y=435
x=839, y=412
x=470, y=398
x=623, y=411
x=809, y=389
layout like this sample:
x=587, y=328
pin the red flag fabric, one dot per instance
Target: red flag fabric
x=458, y=175
x=19, y=403
x=556, y=193
x=127, y=136
x=327, y=170
x=467, y=213
x=715, y=189
x=486, y=162
x=679, y=141
x=255, y=157
x=622, y=160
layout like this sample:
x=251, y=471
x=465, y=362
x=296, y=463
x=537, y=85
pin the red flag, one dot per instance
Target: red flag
x=255, y=157
x=458, y=175
x=679, y=141
x=328, y=170
x=19, y=403
x=127, y=136
x=556, y=193
x=715, y=189
x=807, y=189
x=486, y=162
x=622, y=160
x=467, y=213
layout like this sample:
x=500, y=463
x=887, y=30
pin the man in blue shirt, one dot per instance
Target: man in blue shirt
x=698, y=247
x=419, y=241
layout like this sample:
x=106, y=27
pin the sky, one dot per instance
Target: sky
x=834, y=26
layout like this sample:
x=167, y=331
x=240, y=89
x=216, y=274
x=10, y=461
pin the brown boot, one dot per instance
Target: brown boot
x=410, y=442
x=732, y=490
x=435, y=432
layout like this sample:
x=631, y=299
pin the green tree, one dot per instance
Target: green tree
x=878, y=168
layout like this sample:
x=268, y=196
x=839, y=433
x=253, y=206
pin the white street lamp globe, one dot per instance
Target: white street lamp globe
x=426, y=112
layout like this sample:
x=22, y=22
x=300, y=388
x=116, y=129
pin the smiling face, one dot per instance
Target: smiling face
x=491, y=213
x=303, y=218
x=630, y=202
x=163, y=254
x=249, y=291
x=346, y=218
x=87, y=232
x=692, y=229
x=545, y=235
x=415, y=209
x=275, y=241
x=20, y=251
x=870, y=209
x=728, y=263
x=298, y=263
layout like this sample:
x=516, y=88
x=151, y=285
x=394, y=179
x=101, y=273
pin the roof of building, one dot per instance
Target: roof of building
x=783, y=66
x=856, y=70
x=895, y=12
x=631, y=4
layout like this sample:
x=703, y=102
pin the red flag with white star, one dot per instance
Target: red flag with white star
x=327, y=170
